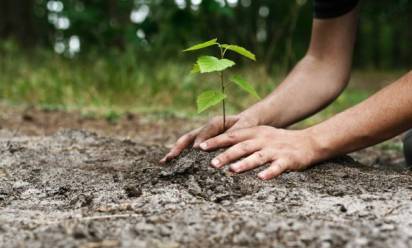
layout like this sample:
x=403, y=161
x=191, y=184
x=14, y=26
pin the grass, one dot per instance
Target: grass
x=131, y=82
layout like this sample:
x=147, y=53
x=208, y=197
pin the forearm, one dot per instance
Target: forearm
x=310, y=86
x=316, y=80
x=382, y=116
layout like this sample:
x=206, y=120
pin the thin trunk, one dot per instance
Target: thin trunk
x=289, y=55
x=17, y=21
x=223, y=102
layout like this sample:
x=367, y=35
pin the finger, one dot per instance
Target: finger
x=256, y=159
x=213, y=128
x=227, y=139
x=235, y=152
x=180, y=145
x=275, y=169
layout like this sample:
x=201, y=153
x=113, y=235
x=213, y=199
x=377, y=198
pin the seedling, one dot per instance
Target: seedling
x=210, y=64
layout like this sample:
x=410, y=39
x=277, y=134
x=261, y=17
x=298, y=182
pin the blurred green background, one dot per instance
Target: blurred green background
x=125, y=55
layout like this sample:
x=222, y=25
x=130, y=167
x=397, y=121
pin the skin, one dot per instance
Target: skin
x=258, y=136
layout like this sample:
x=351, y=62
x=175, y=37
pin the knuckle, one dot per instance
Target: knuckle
x=231, y=136
x=223, y=157
x=272, y=154
x=283, y=166
x=213, y=125
x=246, y=164
x=244, y=147
x=287, y=165
x=191, y=135
x=260, y=157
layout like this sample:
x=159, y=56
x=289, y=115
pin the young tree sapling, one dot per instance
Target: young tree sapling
x=209, y=64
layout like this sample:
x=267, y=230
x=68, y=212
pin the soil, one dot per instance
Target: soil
x=78, y=188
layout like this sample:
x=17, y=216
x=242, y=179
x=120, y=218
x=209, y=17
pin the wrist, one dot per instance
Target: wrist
x=322, y=146
x=262, y=113
x=251, y=116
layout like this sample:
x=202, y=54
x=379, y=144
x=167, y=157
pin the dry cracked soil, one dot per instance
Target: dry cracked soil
x=76, y=188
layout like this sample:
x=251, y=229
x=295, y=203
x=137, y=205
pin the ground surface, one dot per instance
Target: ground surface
x=65, y=187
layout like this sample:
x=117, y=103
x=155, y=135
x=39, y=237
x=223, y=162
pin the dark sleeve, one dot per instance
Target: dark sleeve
x=333, y=8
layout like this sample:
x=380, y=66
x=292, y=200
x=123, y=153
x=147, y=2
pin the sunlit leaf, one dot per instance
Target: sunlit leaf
x=201, y=45
x=195, y=69
x=244, y=85
x=208, y=99
x=210, y=64
x=240, y=50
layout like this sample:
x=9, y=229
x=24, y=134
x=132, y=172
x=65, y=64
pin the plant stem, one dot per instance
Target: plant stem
x=223, y=102
x=222, y=83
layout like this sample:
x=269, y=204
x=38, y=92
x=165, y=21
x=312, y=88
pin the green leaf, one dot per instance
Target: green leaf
x=195, y=69
x=211, y=64
x=201, y=45
x=208, y=99
x=240, y=50
x=244, y=85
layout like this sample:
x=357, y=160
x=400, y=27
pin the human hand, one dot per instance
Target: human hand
x=211, y=129
x=285, y=150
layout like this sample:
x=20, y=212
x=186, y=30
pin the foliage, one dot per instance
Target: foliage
x=212, y=64
x=207, y=64
x=138, y=65
x=208, y=99
x=277, y=31
x=244, y=85
x=97, y=84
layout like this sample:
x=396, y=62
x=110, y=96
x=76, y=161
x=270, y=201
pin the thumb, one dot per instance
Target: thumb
x=242, y=123
x=214, y=128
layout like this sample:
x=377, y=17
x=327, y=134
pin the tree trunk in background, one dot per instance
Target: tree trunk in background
x=17, y=21
x=375, y=41
x=408, y=49
x=289, y=53
x=117, y=20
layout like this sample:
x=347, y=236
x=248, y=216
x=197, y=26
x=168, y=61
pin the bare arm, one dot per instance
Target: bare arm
x=382, y=116
x=316, y=80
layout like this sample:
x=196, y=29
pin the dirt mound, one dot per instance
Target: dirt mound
x=76, y=188
x=192, y=170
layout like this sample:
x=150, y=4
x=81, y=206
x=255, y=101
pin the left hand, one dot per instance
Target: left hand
x=285, y=150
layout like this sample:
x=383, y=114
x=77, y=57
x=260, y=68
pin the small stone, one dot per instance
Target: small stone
x=342, y=208
x=132, y=191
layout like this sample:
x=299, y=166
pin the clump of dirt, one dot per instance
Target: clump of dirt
x=78, y=189
x=192, y=170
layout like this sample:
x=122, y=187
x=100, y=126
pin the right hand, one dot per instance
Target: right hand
x=213, y=128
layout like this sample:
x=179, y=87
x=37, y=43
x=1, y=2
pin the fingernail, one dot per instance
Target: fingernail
x=215, y=162
x=203, y=146
x=196, y=145
x=262, y=175
x=234, y=168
